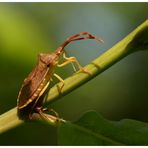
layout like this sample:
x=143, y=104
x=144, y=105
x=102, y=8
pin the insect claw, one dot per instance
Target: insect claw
x=83, y=70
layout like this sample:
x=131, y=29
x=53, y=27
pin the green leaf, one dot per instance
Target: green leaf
x=92, y=129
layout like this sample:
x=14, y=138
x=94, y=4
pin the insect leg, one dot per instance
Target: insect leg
x=38, y=109
x=67, y=58
x=54, y=120
x=72, y=60
x=61, y=80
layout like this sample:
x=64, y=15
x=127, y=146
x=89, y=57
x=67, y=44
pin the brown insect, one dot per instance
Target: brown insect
x=34, y=86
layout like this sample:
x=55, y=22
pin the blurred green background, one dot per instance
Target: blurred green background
x=27, y=29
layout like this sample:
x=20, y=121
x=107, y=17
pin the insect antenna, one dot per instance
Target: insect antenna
x=76, y=37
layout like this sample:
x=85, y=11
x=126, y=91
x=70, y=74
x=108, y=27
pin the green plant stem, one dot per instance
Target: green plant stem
x=9, y=120
x=137, y=40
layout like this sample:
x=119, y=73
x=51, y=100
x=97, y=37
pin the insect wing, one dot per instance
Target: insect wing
x=31, y=84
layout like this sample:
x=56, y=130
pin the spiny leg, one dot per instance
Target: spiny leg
x=73, y=60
